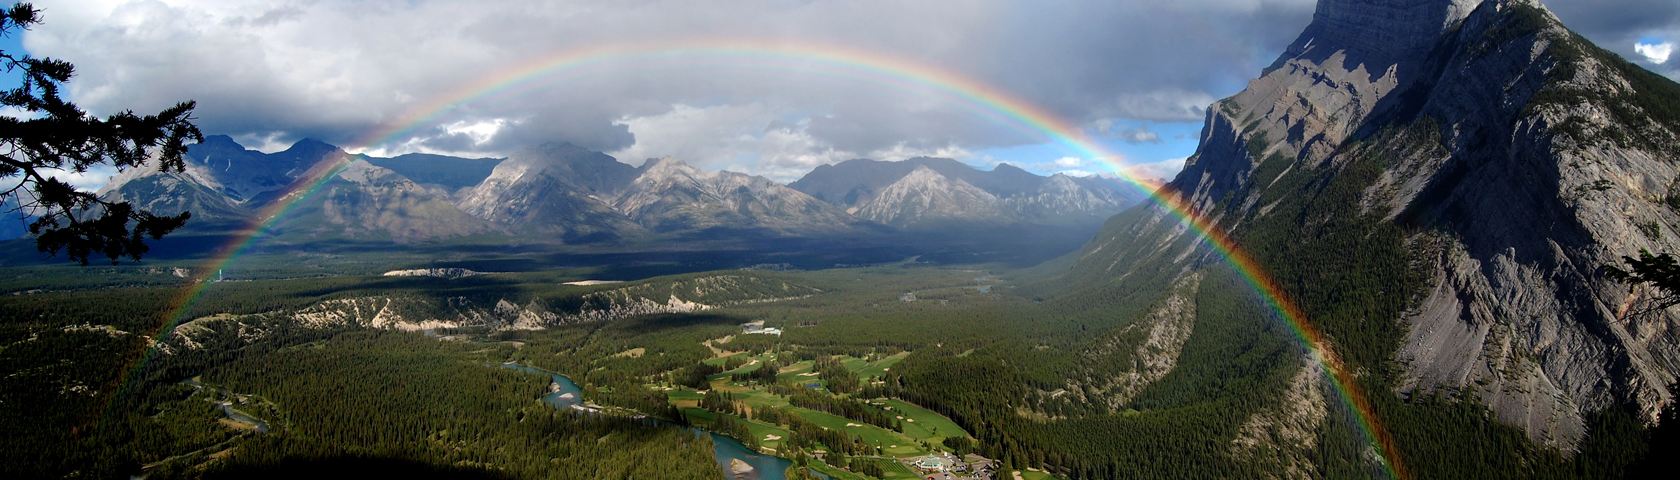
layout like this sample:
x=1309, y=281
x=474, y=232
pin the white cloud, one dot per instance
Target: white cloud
x=902, y=151
x=88, y=181
x=480, y=131
x=16, y=113
x=728, y=137
x=753, y=138
x=266, y=142
x=1070, y=162
x=1163, y=170
x=1657, y=53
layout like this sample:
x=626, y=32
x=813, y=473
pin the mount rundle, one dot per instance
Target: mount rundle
x=1440, y=184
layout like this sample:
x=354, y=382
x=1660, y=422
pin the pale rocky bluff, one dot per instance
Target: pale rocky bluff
x=1517, y=158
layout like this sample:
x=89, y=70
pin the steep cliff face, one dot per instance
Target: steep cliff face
x=1556, y=160
x=1484, y=164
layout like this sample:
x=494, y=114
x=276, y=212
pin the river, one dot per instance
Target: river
x=724, y=449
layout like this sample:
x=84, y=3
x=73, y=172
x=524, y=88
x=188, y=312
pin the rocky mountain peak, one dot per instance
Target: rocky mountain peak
x=219, y=142
x=1379, y=32
x=362, y=172
x=667, y=167
x=922, y=175
x=925, y=196
x=562, y=164
x=1353, y=60
x=1010, y=169
x=310, y=148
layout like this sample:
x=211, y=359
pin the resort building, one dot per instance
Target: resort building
x=758, y=328
x=932, y=463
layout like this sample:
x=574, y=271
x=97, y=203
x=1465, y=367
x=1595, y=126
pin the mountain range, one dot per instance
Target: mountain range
x=567, y=194
x=930, y=192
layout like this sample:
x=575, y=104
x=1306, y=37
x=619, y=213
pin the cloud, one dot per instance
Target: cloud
x=1162, y=170
x=1166, y=105
x=1139, y=135
x=317, y=69
x=88, y=181
x=1070, y=162
x=480, y=131
x=1624, y=25
x=1655, y=52
x=1116, y=128
x=406, y=76
x=752, y=138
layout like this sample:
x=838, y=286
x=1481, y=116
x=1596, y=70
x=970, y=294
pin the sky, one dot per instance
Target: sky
x=1136, y=76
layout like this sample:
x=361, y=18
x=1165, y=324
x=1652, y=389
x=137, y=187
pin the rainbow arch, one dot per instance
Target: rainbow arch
x=985, y=98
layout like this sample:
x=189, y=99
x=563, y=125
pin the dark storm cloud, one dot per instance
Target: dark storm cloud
x=1619, y=25
x=338, y=70
x=1618, y=19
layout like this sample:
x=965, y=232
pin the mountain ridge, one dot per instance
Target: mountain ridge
x=563, y=193
x=1009, y=194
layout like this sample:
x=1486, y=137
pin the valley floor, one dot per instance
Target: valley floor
x=899, y=370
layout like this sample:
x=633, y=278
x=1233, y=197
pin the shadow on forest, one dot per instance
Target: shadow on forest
x=645, y=325
x=434, y=287
x=354, y=467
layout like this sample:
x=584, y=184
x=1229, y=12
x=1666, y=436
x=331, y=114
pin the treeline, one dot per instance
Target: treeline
x=835, y=376
x=763, y=374
x=854, y=409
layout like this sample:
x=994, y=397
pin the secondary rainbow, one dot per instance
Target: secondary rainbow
x=879, y=66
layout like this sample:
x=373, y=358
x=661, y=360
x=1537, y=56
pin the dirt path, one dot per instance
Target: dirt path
x=718, y=352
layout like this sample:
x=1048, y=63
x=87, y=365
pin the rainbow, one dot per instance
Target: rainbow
x=982, y=97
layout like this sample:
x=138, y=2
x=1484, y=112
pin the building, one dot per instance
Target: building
x=932, y=463
x=758, y=328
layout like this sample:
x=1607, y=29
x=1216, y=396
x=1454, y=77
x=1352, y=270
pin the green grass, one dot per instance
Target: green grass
x=833, y=472
x=719, y=361
x=1035, y=475
x=897, y=470
x=751, y=366
x=870, y=434
x=928, y=426
x=793, y=373
x=893, y=470
x=683, y=395
x=876, y=369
